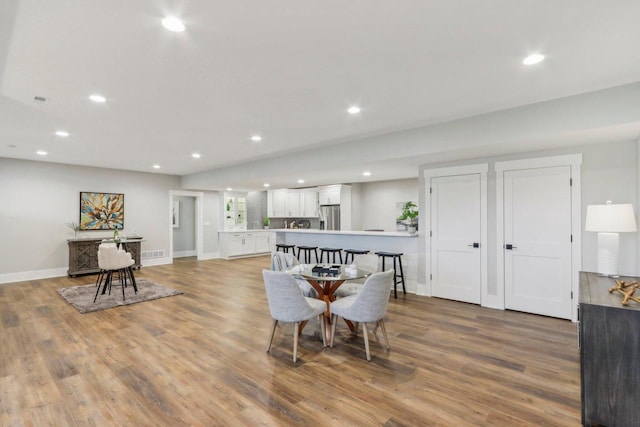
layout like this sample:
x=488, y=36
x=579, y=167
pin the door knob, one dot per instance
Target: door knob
x=474, y=245
x=510, y=247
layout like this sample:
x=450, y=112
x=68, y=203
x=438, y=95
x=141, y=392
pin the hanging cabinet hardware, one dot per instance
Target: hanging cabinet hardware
x=474, y=245
x=510, y=247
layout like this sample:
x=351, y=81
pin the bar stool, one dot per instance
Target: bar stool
x=285, y=248
x=329, y=252
x=353, y=253
x=307, y=253
x=399, y=278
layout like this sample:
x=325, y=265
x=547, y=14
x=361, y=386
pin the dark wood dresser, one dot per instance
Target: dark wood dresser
x=83, y=254
x=609, y=339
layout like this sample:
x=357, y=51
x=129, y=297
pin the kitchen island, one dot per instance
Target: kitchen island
x=369, y=240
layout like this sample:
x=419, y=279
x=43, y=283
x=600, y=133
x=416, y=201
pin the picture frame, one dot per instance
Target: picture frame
x=175, y=214
x=101, y=211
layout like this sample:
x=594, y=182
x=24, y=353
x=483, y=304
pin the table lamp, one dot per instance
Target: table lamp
x=608, y=220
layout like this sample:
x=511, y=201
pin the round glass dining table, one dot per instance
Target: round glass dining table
x=325, y=279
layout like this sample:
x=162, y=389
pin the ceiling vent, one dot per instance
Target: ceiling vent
x=40, y=99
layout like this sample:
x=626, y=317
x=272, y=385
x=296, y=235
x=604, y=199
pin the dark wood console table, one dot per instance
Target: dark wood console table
x=83, y=254
x=609, y=338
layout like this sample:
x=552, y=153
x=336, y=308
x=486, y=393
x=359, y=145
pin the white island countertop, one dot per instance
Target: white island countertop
x=346, y=232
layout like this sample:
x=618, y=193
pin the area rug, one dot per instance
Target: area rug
x=81, y=297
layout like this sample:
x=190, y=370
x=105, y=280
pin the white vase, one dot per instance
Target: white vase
x=412, y=229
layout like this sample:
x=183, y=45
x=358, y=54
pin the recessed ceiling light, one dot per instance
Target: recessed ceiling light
x=156, y=166
x=354, y=109
x=366, y=173
x=98, y=98
x=301, y=181
x=172, y=23
x=196, y=155
x=41, y=153
x=266, y=184
x=256, y=138
x=533, y=59
x=229, y=189
x=41, y=99
x=62, y=133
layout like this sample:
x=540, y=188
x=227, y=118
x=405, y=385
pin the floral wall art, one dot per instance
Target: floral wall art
x=101, y=211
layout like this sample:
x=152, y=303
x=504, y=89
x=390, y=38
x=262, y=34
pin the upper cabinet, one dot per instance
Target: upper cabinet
x=329, y=195
x=277, y=203
x=292, y=203
x=309, y=203
x=234, y=211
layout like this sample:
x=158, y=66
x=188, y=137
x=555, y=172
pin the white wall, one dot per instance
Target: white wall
x=38, y=198
x=609, y=172
x=184, y=236
x=378, y=200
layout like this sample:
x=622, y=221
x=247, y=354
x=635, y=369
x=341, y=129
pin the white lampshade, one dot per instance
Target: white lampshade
x=610, y=218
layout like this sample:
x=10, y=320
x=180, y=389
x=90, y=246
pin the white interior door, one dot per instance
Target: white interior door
x=455, y=240
x=537, y=237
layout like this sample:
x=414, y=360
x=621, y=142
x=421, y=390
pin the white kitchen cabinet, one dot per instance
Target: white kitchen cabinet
x=277, y=203
x=263, y=242
x=329, y=195
x=293, y=203
x=244, y=243
x=309, y=203
x=234, y=211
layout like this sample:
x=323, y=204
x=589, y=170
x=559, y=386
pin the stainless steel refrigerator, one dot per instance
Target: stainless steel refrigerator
x=330, y=217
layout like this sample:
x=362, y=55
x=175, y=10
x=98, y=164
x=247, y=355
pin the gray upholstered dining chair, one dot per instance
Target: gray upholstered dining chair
x=281, y=261
x=369, y=305
x=367, y=262
x=287, y=304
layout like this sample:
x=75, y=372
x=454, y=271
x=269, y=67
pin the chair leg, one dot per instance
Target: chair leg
x=323, y=330
x=133, y=279
x=355, y=330
x=404, y=291
x=384, y=333
x=123, y=282
x=366, y=340
x=334, y=320
x=395, y=282
x=296, y=331
x=273, y=331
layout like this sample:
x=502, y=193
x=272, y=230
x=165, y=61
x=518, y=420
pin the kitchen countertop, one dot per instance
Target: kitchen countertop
x=345, y=232
x=257, y=230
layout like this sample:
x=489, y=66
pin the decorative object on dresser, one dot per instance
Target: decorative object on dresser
x=101, y=211
x=83, y=254
x=627, y=290
x=608, y=220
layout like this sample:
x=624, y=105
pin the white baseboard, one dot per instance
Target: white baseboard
x=23, y=276
x=184, y=254
x=210, y=255
x=156, y=261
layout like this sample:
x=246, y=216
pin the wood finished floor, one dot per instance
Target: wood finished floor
x=199, y=359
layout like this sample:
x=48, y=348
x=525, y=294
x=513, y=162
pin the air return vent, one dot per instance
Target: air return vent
x=152, y=254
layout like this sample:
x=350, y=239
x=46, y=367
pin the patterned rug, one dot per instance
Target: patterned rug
x=81, y=297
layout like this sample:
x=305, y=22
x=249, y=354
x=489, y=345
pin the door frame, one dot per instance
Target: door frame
x=199, y=197
x=574, y=161
x=481, y=169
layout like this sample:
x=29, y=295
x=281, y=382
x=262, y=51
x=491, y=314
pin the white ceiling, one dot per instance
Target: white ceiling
x=286, y=70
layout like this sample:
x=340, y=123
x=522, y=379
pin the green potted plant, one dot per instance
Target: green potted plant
x=265, y=222
x=409, y=215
